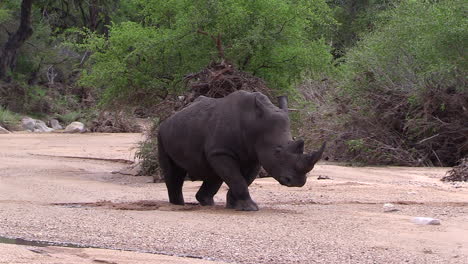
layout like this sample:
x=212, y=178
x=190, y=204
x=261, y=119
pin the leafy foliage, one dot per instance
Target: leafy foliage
x=279, y=41
x=356, y=18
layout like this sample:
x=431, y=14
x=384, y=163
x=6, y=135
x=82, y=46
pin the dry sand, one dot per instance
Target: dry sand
x=48, y=193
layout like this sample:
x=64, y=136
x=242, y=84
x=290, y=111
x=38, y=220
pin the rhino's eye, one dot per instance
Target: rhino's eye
x=278, y=150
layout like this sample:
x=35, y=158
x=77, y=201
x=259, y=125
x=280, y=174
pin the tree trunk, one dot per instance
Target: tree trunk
x=8, y=52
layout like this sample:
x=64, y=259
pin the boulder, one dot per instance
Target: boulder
x=75, y=127
x=28, y=123
x=54, y=123
x=42, y=127
x=4, y=131
x=34, y=125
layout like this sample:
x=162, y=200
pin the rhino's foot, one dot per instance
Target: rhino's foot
x=243, y=205
x=204, y=201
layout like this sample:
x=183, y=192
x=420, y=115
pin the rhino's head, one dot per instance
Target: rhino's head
x=289, y=165
x=283, y=158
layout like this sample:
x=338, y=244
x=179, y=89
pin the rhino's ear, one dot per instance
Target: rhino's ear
x=260, y=104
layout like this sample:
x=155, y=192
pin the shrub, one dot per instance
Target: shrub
x=402, y=93
x=8, y=119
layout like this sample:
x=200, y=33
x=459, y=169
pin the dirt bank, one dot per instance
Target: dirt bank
x=48, y=193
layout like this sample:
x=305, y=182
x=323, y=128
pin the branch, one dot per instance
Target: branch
x=217, y=41
x=6, y=30
x=282, y=26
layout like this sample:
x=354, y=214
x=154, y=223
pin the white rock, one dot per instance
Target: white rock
x=34, y=125
x=28, y=123
x=425, y=221
x=412, y=192
x=4, y=131
x=75, y=127
x=388, y=207
x=55, y=124
x=42, y=127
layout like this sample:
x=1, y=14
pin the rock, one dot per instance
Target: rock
x=28, y=123
x=54, y=123
x=42, y=127
x=4, y=131
x=323, y=177
x=425, y=221
x=388, y=207
x=75, y=127
x=34, y=125
x=412, y=192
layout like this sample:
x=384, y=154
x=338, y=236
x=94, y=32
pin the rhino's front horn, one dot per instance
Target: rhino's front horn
x=307, y=161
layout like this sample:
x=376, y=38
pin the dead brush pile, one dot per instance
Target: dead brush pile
x=458, y=173
x=217, y=80
x=114, y=122
x=384, y=125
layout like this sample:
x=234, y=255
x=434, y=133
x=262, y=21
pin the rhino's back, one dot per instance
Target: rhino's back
x=208, y=124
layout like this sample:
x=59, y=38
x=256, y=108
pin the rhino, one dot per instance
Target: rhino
x=227, y=140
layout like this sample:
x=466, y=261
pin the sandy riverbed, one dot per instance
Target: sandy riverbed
x=47, y=196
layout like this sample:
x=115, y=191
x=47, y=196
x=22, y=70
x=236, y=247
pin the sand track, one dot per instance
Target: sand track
x=46, y=195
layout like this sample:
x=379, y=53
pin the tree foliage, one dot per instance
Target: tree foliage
x=277, y=40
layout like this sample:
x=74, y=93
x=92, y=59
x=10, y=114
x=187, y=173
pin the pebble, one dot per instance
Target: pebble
x=425, y=221
x=388, y=207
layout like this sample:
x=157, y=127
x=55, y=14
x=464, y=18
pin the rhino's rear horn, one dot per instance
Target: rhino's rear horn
x=283, y=102
x=307, y=161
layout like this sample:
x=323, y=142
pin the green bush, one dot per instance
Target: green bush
x=70, y=117
x=8, y=119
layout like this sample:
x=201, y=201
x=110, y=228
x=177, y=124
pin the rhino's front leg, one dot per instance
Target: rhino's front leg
x=228, y=170
x=250, y=174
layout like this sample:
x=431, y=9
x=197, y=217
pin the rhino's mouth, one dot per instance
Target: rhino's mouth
x=287, y=181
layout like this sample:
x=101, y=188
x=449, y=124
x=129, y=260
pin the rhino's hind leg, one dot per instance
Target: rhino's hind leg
x=174, y=182
x=208, y=189
x=173, y=176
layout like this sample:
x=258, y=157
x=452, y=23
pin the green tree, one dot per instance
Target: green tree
x=356, y=18
x=8, y=53
x=281, y=41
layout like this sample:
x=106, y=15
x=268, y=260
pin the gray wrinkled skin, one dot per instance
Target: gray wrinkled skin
x=227, y=140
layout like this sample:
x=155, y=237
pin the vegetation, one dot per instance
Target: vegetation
x=147, y=59
x=384, y=81
x=402, y=96
x=8, y=119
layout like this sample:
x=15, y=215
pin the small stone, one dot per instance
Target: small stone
x=425, y=221
x=412, y=192
x=323, y=177
x=388, y=207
